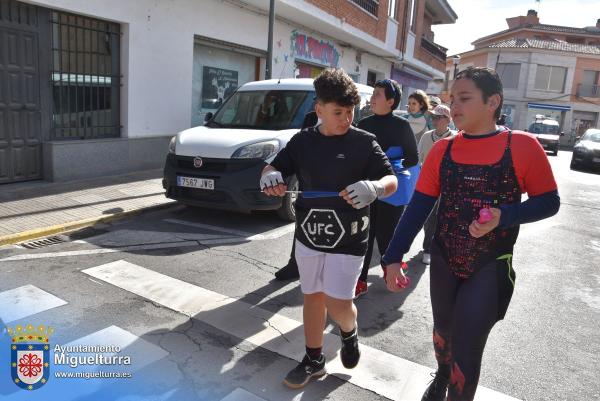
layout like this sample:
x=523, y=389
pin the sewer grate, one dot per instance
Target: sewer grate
x=44, y=242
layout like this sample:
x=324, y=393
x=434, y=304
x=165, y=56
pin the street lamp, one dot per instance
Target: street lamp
x=456, y=62
x=269, y=66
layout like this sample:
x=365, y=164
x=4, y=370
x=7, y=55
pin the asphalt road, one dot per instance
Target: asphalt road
x=546, y=348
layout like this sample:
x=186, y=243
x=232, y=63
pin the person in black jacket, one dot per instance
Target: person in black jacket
x=392, y=132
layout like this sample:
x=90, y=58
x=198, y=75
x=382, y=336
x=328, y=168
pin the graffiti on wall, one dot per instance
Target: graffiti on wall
x=307, y=48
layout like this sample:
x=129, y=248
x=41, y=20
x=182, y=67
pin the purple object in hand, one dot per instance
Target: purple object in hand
x=485, y=215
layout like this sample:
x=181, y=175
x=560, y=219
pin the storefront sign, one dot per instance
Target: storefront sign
x=307, y=48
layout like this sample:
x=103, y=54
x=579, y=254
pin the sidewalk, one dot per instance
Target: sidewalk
x=36, y=209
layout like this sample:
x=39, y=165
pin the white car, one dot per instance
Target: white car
x=218, y=165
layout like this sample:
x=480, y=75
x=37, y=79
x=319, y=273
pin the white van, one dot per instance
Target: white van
x=218, y=165
x=547, y=132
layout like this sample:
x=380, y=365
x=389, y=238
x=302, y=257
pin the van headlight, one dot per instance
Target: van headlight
x=172, y=145
x=261, y=150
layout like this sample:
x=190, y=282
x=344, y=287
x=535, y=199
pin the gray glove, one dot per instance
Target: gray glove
x=363, y=193
x=271, y=179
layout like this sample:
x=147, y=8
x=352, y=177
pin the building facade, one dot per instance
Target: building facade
x=98, y=87
x=545, y=69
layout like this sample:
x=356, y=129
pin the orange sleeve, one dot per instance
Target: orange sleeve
x=429, y=178
x=532, y=167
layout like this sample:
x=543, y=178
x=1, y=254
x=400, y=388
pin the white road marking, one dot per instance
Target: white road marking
x=84, y=252
x=25, y=301
x=380, y=372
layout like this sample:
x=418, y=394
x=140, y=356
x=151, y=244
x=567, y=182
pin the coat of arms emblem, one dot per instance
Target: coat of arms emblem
x=30, y=355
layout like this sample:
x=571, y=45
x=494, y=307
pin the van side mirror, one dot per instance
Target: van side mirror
x=208, y=116
x=562, y=133
x=578, y=137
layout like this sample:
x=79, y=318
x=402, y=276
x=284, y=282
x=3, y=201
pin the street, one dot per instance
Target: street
x=192, y=290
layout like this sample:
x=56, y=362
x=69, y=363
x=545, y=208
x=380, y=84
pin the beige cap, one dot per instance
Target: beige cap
x=441, y=110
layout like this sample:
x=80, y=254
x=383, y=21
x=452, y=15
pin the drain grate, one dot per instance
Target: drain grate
x=44, y=242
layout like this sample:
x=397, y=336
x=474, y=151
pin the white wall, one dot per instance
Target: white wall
x=157, y=53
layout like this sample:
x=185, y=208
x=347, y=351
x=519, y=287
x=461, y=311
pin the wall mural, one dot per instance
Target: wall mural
x=307, y=48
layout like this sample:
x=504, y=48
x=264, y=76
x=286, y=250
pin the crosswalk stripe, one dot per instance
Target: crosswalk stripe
x=380, y=372
x=239, y=394
x=25, y=301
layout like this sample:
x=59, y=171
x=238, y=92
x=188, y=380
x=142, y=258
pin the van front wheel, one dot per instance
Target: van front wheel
x=287, y=211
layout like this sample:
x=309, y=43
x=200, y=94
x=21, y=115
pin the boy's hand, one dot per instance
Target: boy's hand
x=362, y=193
x=395, y=278
x=272, y=184
x=478, y=230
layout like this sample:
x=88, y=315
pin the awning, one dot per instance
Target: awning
x=405, y=78
x=548, y=106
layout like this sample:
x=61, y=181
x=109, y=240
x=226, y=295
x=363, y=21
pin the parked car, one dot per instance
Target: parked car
x=547, y=132
x=218, y=165
x=586, y=152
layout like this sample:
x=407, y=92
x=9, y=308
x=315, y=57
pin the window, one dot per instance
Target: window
x=392, y=5
x=85, y=77
x=550, y=78
x=264, y=110
x=370, y=6
x=412, y=19
x=509, y=74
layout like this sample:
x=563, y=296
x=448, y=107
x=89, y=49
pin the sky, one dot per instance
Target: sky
x=479, y=18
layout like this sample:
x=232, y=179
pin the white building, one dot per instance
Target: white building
x=97, y=87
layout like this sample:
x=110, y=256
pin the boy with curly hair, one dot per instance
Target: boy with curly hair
x=331, y=232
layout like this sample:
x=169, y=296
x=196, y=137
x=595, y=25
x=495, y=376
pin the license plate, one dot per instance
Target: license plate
x=192, y=182
x=596, y=159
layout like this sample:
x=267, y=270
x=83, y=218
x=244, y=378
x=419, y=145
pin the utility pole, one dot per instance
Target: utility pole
x=269, y=69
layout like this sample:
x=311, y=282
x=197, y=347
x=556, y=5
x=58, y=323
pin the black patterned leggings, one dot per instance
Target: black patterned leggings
x=464, y=312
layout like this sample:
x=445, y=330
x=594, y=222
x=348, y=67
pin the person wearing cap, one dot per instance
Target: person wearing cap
x=440, y=117
x=434, y=101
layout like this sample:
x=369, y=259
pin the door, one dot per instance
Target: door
x=20, y=116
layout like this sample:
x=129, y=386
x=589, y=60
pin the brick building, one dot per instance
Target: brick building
x=545, y=69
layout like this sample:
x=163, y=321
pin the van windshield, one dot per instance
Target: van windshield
x=539, y=128
x=264, y=110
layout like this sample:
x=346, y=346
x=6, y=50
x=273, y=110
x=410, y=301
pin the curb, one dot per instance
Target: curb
x=79, y=224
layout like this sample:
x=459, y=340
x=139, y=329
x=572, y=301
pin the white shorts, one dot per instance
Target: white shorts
x=334, y=274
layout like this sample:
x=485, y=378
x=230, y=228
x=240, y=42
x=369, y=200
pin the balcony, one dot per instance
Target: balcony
x=437, y=51
x=588, y=90
x=370, y=6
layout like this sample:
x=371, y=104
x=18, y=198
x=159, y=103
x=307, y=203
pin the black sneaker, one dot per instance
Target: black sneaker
x=437, y=388
x=288, y=272
x=350, y=353
x=307, y=369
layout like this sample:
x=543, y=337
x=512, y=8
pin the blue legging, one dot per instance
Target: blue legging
x=464, y=312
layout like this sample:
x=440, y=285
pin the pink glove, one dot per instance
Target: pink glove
x=485, y=215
